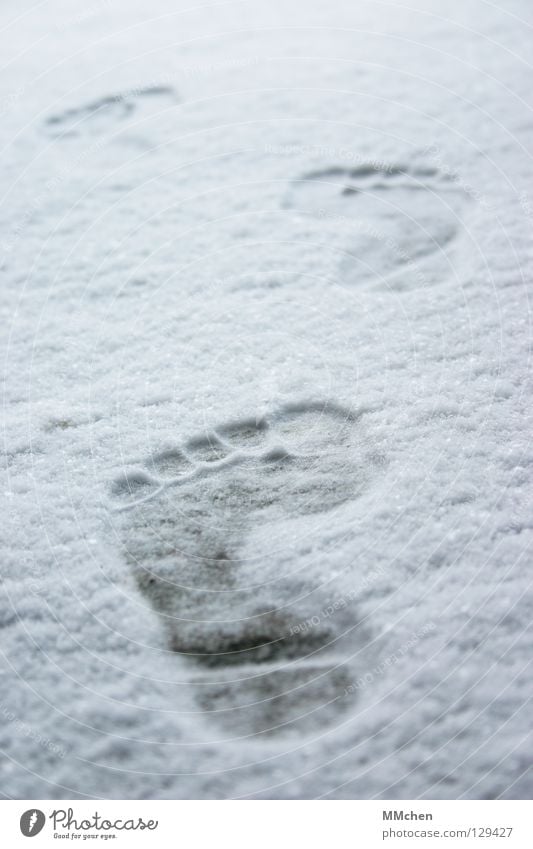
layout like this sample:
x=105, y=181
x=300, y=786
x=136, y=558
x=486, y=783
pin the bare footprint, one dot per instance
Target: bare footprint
x=108, y=113
x=262, y=660
x=402, y=219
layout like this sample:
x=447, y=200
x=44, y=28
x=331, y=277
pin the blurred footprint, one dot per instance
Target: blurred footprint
x=109, y=113
x=402, y=220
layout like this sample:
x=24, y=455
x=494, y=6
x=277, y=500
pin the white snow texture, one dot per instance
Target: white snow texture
x=267, y=514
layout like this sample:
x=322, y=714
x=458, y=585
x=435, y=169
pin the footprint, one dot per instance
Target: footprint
x=262, y=661
x=401, y=219
x=103, y=115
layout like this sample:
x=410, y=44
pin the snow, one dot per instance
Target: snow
x=267, y=443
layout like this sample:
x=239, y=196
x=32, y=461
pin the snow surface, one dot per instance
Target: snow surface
x=267, y=343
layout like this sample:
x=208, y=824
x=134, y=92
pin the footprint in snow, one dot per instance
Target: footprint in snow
x=402, y=220
x=264, y=656
x=109, y=113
